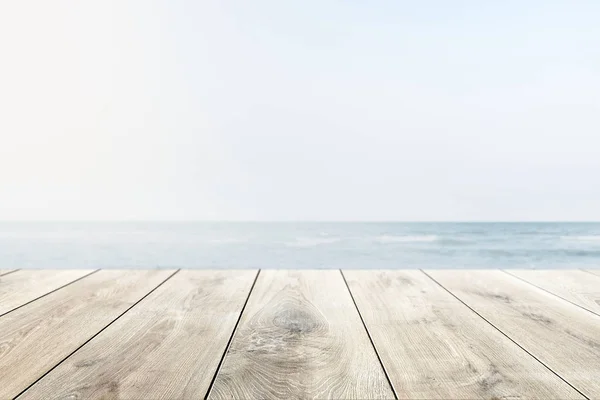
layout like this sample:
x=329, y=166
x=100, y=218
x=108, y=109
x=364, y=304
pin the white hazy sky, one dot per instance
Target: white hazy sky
x=304, y=110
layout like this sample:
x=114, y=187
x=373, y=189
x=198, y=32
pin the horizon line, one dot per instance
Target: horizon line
x=374, y=221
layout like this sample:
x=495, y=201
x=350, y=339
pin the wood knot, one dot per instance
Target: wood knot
x=295, y=321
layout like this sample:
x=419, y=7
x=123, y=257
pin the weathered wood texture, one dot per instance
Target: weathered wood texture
x=168, y=346
x=301, y=337
x=563, y=336
x=24, y=286
x=576, y=286
x=6, y=271
x=433, y=347
x=36, y=337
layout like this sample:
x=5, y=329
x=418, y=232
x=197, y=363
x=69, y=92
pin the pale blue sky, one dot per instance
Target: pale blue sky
x=312, y=110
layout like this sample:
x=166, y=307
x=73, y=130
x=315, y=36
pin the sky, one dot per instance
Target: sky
x=308, y=110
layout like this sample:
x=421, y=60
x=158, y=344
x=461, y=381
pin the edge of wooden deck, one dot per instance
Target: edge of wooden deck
x=550, y=295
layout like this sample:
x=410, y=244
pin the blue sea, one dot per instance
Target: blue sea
x=298, y=245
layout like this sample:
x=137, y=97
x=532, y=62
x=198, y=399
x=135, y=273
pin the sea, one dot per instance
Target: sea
x=300, y=245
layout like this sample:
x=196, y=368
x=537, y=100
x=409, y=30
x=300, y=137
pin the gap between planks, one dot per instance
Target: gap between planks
x=506, y=335
x=550, y=292
x=47, y=293
x=298, y=337
x=96, y=334
x=592, y=271
x=387, y=376
x=214, y=378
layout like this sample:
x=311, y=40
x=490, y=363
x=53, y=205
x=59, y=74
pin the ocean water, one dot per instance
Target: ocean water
x=299, y=245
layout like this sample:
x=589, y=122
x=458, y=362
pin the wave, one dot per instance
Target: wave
x=312, y=241
x=227, y=241
x=454, y=241
x=406, y=239
x=547, y=255
x=588, y=238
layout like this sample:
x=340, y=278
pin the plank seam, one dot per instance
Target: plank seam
x=590, y=272
x=547, y=291
x=235, y=327
x=508, y=337
x=369, y=335
x=50, y=292
x=9, y=272
x=96, y=334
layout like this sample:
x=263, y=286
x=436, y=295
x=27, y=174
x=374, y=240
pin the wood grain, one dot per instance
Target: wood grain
x=168, y=346
x=433, y=347
x=24, y=286
x=561, y=335
x=35, y=337
x=575, y=286
x=300, y=337
x=6, y=271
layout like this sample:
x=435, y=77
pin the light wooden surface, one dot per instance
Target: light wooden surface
x=433, y=347
x=593, y=271
x=24, y=286
x=160, y=334
x=36, y=337
x=564, y=337
x=6, y=271
x=169, y=345
x=578, y=287
x=301, y=337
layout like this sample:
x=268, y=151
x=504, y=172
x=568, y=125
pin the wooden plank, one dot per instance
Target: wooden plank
x=36, y=337
x=168, y=346
x=564, y=337
x=433, y=347
x=300, y=336
x=20, y=288
x=575, y=286
x=6, y=271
